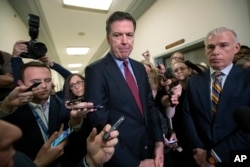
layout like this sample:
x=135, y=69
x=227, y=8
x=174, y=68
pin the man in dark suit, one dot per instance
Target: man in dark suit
x=140, y=138
x=211, y=131
x=42, y=116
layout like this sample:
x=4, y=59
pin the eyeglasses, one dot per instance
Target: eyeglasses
x=78, y=83
x=177, y=58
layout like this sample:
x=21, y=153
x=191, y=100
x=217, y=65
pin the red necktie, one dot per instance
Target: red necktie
x=132, y=85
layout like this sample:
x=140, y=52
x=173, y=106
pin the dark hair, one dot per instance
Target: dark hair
x=1, y=59
x=68, y=94
x=244, y=47
x=119, y=16
x=31, y=64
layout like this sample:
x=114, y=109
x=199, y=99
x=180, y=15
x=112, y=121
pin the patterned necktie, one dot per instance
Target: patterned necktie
x=132, y=85
x=216, y=90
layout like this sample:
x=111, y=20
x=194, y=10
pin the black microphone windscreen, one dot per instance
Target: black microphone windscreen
x=242, y=117
x=193, y=66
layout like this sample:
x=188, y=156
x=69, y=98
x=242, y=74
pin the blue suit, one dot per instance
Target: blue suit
x=105, y=85
x=218, y=132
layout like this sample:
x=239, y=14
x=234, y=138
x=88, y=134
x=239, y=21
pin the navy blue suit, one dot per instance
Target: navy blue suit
x=218, y=132
x=105, y=85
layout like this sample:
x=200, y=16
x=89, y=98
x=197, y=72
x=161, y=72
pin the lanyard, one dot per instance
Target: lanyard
x=41, y=123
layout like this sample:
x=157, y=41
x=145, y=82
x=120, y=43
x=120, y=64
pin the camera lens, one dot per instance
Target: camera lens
x=38, y=49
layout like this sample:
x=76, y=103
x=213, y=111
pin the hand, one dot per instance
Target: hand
x=19, y=47
x=177, y=90
x=146, y=55
x=46, y=60
x=159, y=154
x=147, y=163
x=79, y=111
x=172, y=138
x=48, y=154
x=200, y=156
x=100, y=151
x=16, y=98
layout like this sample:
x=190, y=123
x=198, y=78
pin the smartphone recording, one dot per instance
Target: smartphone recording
x=33, y=86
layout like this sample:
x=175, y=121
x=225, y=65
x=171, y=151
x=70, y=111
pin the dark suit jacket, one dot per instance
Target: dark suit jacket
x=106, y=85
x=218, y=132
x=21, y=159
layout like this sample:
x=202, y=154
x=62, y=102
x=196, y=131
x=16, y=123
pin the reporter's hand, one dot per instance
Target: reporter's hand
x=172, y=138
x=79, y=111
x=19, y=47
x=100, y=151
x=48, y=154
x=46, y=60
x=17, y=97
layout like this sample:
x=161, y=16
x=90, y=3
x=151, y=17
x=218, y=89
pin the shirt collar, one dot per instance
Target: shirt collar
x=35, y=105
x=225, y=71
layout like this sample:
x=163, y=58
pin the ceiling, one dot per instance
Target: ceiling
x=62, y=26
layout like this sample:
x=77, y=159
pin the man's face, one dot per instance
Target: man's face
x=121, y=38
x=220, y=50
x=39, y=74
x=8, y=134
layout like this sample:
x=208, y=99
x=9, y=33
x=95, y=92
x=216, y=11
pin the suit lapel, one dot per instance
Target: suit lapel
x=117, y=77
x=227, y=93
x=204, y=96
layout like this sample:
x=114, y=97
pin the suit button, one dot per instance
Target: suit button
x=146, y=147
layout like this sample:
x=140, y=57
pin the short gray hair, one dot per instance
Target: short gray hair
x=220, y=30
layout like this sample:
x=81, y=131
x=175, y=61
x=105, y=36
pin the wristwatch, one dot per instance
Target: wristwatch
x=211, y=159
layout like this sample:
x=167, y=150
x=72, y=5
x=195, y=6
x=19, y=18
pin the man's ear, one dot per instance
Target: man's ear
x=20, y=83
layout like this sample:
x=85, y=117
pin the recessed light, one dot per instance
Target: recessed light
x=74, y=65
x=74, y=71
x=77, y=50
x=92, y=4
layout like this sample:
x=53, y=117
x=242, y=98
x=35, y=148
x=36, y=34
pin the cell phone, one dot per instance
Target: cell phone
x=72, y=102
x=96, y=107
x=33, y=86
x=62, y=137
x=114, y=127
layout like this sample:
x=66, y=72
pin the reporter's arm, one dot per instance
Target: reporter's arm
x=17, y=97
x=98, y=150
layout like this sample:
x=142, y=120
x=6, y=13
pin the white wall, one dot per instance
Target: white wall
x=12, y=29
x=170, y=20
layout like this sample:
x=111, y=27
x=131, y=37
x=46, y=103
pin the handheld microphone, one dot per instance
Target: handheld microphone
x=170, y=112
x=242, y=117
x=193, y=66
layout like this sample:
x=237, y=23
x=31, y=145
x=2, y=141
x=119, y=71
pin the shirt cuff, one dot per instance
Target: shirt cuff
x=77, y=127
x=213, y=153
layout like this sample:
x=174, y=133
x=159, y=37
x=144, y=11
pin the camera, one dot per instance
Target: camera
x=36, y=50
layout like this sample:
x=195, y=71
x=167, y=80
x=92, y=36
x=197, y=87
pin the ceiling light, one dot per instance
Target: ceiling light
x=74, y=65
x=77, y=50
x=74, y=71
x=92, y=4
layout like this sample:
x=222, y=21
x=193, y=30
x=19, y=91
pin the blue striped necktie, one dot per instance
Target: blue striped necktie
x=216, y=89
